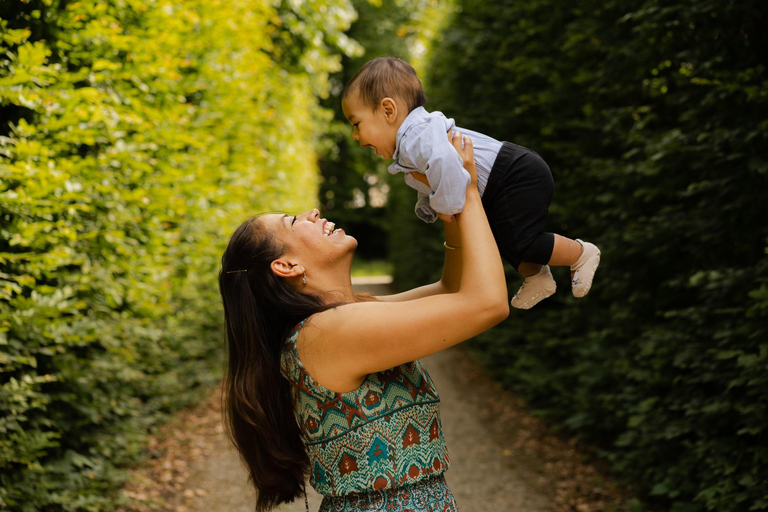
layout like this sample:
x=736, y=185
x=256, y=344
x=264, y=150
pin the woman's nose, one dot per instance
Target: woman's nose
x=312, y=215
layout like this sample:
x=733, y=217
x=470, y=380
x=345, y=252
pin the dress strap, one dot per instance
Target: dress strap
x=306, y=501
x=298, y=326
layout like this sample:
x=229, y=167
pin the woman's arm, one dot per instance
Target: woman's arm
x=449, y=281
x=341, y=346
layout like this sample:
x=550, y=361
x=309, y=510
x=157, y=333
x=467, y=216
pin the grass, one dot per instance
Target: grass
x=371, y=267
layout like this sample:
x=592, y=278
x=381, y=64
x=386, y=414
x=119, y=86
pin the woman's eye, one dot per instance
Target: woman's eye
x=294, y=220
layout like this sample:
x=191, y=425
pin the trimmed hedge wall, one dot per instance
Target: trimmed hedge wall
x=652, y=116
x=136, y=136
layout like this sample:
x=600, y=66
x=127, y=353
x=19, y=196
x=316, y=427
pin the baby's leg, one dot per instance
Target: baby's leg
x=582, y=257
x=528, y=269
x=538, y=283
x=516, y=201
x=565, y=252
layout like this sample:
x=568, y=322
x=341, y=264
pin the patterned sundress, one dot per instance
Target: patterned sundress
x=379, y=447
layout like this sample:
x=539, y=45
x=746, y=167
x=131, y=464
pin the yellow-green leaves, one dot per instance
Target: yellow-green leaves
x=141, y=133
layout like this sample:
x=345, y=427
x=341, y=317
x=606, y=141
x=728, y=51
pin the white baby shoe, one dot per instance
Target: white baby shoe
x=535, y=288
x=584, y=269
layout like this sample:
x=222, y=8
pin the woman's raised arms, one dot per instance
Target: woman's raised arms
x=341, y=346
x=449, y=281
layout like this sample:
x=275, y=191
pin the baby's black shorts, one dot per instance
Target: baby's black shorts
x=516, y=201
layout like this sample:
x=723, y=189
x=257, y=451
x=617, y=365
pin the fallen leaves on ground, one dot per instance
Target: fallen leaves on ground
x=160, y=483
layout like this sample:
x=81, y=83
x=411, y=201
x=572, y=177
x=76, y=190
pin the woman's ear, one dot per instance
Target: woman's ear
x=284, y=268
x=389, y=107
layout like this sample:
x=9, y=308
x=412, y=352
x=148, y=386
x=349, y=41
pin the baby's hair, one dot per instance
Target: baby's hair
x=387, y=77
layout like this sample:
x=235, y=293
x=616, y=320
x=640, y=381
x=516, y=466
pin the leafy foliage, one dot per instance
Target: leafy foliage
x=653, y=119
x=136, y=136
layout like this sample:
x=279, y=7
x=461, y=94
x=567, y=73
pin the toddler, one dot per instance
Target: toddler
x=384, y=104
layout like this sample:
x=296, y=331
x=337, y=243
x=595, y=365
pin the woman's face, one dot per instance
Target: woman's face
x=311, y=238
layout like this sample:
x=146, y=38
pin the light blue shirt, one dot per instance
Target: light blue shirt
x=422, y=145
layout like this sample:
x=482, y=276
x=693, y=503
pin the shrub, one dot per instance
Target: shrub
x=652, y=118
x=136, y=136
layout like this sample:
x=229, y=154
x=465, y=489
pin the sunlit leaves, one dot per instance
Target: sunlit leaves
x=140, y=135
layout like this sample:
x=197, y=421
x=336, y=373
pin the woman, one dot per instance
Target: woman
x=324, y=383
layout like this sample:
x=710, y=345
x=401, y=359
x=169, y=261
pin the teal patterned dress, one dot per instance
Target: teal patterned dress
x=379, y=447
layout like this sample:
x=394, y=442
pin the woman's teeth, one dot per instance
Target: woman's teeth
x=329, y=227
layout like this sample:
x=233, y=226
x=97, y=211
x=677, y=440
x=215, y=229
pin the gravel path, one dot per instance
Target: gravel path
x=487, y=473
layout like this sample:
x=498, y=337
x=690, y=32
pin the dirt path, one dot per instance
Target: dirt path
x=501, y=457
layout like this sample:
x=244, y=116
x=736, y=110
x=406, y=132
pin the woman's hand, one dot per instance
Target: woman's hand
x=463, y=146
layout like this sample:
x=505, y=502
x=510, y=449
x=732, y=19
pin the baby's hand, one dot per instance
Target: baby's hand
x=445, y=218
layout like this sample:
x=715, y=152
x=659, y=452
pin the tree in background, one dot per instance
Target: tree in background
x=652, y=117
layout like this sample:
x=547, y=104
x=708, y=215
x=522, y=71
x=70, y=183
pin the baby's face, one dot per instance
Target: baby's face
x=376, y=129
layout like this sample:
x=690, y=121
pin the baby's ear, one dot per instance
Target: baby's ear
x=389, y=107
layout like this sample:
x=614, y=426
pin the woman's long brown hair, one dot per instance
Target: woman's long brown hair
x=261, y=310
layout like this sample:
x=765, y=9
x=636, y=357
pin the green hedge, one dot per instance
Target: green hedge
x=136, y=135
x=652, y=116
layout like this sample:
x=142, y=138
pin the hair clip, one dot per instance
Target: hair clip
x=235, y=271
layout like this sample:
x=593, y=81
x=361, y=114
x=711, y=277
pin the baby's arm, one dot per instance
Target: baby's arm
x=432, y=153
x=421, y=177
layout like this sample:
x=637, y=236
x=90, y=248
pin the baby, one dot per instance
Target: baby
x=384, y=103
